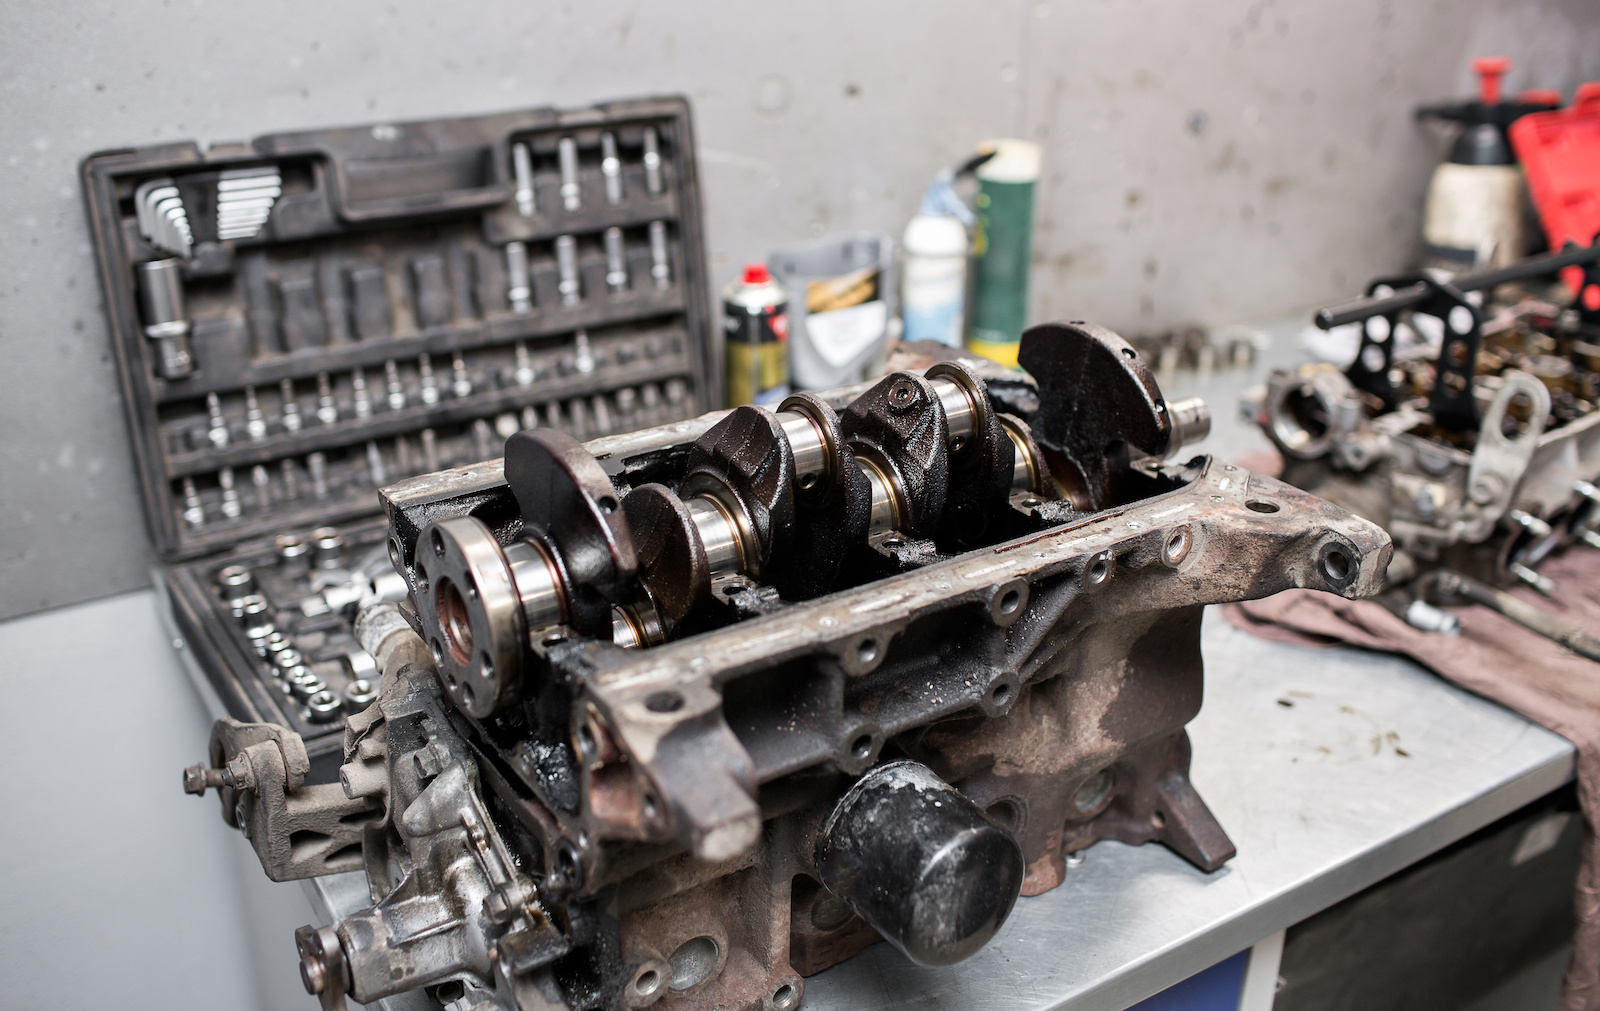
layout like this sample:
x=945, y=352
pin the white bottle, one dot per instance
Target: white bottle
x=934, y=283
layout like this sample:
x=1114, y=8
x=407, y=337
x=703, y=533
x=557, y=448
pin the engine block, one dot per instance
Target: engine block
x=681, y=717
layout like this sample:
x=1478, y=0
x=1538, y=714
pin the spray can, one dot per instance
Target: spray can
x=755, y=320
x=1475, y=214
x=1003, y=249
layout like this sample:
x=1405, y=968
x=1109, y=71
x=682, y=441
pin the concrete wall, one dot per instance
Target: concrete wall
x=1220, y=161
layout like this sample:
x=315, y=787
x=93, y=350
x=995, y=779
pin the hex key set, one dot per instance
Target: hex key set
x=307, y=317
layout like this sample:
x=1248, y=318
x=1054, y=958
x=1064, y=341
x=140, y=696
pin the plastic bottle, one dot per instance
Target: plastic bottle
x=934, y=280
x=1476, y=210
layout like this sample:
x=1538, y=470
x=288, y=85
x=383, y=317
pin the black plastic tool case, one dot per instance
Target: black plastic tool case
x=310, y=316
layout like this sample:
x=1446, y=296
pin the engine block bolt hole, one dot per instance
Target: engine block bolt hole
x=438, y=542
x=693, y=962
x=1097, y=572
x=567, y=863
x=1006, y=813
x=607, y=504
x=1177, y=546
x=1010, y=601
x=1000, y=694
x=861, y=747
x=663, y=702
x=1336, y=567
x=867, y=650
x=1261, y=505
x=647, y=983
x=784, y=996
x=1094, y=792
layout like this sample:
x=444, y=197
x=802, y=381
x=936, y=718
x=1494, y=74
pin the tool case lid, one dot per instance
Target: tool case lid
x=303, y=318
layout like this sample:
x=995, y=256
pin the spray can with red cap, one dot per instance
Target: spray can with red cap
x=1476, y=211
x=755, y=322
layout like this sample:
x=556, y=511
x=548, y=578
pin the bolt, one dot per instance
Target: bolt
x=902, y=395
x=196, y=778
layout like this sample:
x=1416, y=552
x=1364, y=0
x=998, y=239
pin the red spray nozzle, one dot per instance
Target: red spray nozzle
x=1489, y=70
x=756, y=273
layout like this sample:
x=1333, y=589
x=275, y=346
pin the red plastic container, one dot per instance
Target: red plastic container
x=1560, y=155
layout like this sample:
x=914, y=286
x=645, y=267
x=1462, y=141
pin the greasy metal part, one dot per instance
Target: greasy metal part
x=522, y=174
x=1450, y=585
x=676, y=797
x=1191, y=423
x=919, y=861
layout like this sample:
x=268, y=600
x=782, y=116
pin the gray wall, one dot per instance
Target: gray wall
x=1217, y=161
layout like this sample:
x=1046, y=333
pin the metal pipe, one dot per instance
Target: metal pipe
x=1449, y=583
x=1405, y=298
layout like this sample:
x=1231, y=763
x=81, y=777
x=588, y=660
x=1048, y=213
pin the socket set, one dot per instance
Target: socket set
x=305, y=318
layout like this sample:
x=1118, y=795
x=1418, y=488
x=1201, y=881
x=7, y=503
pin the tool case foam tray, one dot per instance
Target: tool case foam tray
x=305, y=318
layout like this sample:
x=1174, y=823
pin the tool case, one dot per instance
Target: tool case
x=307, y=317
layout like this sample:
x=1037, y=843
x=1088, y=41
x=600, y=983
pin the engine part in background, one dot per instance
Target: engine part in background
x=1475, y=459
x=1451, y=587
x=849, y=674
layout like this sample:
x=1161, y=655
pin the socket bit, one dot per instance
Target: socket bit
x=571, y=194
x=230, y=495
x=506, y=424
x=660, y=265
x=652, y=162
x=255, y=423
x=358, y=394
x=530, y=417
x=602, y=414
x=396, y=389
x=523, y=370
x=519, y=294
x=327, y=407
x=430, y=451
x=429, y=385
x=294, y=554
x=291, y=406
x=166, y=325
x=522, y=173
x=616, y=262
x=403, y=464
x=460, y=381
x=194, y=513
x=611, y=168
x=482, y=440
x=236, y=582
x=568, y=283
x=258, y=477
x=317, y=464
x=291, y=480
x=327, y=547
x=217, y=425
x=552, y=415
x=582, y=353
x=375, y=468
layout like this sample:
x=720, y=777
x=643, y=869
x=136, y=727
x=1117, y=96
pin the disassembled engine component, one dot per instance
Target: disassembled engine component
x=1487, y=445
x=865, y=667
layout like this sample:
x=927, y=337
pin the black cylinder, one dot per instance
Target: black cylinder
x=918, y=860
